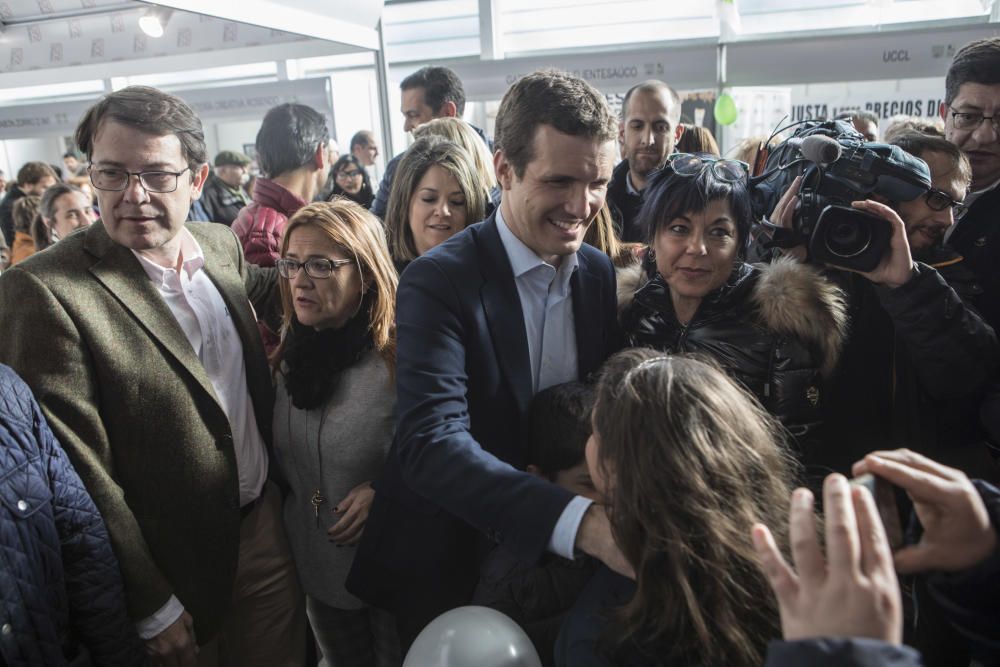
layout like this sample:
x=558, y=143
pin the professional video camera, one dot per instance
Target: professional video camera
x=838, y=166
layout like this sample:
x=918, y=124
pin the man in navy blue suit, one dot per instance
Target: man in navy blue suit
x=497, y=313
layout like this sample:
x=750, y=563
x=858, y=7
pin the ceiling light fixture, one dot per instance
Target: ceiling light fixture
x=154, y=21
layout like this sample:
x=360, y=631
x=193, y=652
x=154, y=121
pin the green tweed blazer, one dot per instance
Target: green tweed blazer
x=131, y=403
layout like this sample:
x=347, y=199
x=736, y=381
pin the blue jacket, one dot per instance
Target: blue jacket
x=454, y=476
x=61, y=596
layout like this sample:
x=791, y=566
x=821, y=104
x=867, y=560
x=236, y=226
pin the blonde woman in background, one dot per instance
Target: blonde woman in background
x=697, y=139
x=459, y=132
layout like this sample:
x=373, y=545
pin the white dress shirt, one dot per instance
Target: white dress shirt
x=202, y=314
x=549, y=325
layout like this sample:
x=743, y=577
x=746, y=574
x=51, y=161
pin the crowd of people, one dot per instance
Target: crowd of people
x=267, y=420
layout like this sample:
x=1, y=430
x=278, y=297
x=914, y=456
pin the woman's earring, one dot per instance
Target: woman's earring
x=651, y=254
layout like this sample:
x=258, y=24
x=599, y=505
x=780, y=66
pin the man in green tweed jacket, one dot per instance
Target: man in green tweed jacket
x=138, y=337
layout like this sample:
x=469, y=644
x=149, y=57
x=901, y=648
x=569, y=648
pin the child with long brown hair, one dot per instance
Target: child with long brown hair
x=688, y=462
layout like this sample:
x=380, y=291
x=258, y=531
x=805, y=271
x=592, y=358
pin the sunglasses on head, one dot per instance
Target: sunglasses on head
x=724, y=169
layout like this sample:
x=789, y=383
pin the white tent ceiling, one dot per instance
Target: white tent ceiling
x=55, y=41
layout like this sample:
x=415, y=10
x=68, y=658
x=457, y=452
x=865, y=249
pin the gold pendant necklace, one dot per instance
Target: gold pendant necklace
x=318, y=499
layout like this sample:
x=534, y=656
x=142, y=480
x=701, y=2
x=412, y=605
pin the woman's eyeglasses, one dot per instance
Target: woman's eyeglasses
x=691, y=164
x=317, y=267
x=354, y=173
x=939, y=201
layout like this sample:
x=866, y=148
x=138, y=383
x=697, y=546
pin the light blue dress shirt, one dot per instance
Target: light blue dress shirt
x=549, y=325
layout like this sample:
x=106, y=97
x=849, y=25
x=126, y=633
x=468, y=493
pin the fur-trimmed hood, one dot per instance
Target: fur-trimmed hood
x=794, y=299
x=789, y=298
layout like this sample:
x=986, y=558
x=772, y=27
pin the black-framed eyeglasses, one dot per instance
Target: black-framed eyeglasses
x=724, y=169
x=317, y=267
x=939, y=201
x=963, y=120
x=115, y=180
x=349, y=174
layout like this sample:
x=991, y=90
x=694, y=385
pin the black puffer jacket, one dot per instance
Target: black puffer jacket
x=775, y=328
x=61, y=595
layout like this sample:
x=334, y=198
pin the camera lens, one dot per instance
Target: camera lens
x=847, y=238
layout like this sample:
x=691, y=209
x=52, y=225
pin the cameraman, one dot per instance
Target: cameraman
x=913, y=368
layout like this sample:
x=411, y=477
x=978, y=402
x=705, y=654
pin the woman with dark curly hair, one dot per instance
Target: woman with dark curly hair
x=688, y=463
x=351, y=181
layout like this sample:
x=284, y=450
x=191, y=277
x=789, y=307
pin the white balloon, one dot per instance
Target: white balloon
x=472, y=637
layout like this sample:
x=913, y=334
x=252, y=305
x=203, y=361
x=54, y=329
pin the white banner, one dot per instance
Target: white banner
x=687, y=67
x=248, y=102
x=912, y=97
x=884, y=55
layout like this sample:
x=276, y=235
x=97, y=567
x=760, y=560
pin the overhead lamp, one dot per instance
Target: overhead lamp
x=155, y=20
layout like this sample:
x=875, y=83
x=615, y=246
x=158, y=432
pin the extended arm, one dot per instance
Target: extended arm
x=440, y=458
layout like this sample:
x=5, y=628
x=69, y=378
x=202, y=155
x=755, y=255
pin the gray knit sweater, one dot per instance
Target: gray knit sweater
x=357, y=432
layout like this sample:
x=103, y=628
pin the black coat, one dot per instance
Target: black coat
x=913, y=370
x=971, y=599
x=7, y=212
x=583, y=641
x=61, y=595
x=977, y=239
x=774, y=328
x=625, y=206
x=536, y=596
x=220, y=202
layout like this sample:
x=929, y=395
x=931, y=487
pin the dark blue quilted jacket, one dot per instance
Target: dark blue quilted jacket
x=61, y=595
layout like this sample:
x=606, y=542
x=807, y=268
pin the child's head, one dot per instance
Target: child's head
x=688, y=462
x=24, y=212
x=559, y=426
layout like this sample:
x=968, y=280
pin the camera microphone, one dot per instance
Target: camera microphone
x=818, y=148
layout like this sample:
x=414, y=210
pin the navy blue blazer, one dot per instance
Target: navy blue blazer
x=455, y=472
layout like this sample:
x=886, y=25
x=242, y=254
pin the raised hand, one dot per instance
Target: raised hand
x=853, y=591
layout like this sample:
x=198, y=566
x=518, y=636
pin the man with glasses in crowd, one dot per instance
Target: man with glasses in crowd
x=139, y=340
x=918, y=356
x=971, y=113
